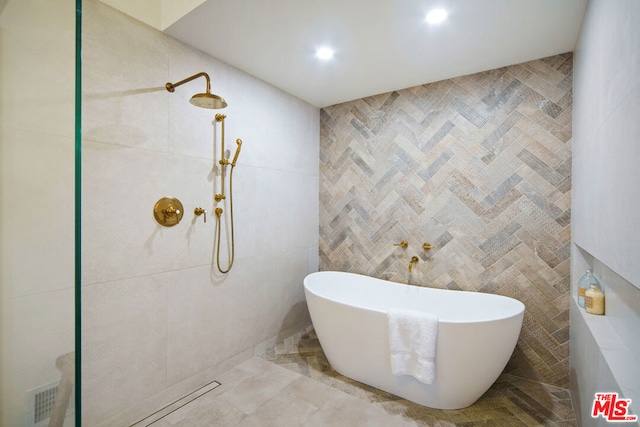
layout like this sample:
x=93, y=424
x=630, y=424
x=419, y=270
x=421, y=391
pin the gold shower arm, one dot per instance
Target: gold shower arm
x=172, y=86
x=202, y=100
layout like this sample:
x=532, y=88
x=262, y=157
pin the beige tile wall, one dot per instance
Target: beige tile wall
x=479, y=166
x=606, y=224
x=37, y=80
x=159, y=320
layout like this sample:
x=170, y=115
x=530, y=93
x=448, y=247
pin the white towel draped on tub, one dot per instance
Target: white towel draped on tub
x=412, y=343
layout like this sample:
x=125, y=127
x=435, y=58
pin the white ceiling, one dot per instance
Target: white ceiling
x=380, y=45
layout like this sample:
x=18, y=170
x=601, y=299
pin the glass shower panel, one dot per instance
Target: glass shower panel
x=37, y=212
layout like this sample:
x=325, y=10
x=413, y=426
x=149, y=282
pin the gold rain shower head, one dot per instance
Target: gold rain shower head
x=203, y=100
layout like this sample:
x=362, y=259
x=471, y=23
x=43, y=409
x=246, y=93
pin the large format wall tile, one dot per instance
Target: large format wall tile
x=605, y=202
x=123, y=96
x=38, y=74
x=37, y=68
x=479, y=166
x=121, y=187
x=142, y=143
x=37, y=190
x=124, y=340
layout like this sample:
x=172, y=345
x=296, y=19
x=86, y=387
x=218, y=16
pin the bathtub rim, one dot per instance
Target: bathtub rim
x=519, y=312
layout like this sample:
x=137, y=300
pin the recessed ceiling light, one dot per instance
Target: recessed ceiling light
x=436, y=16
x=324, y=53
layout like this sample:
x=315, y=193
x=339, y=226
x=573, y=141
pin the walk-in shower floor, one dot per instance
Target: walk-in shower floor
x=293, y=385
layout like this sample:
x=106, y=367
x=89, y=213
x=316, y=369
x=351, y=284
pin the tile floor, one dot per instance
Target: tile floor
x=293, y=385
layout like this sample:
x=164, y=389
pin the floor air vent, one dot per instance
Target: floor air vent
x=40, y=402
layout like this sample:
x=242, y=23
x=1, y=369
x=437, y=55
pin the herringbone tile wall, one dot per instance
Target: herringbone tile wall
x=480, y=167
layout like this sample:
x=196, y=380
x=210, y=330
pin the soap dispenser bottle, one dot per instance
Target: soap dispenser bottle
x=594, y=299
x=583, y=285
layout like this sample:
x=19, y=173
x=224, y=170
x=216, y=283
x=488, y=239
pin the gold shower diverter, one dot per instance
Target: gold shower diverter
x=199, y=211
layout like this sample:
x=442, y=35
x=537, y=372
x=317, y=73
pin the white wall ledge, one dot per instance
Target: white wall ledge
x=622, y=363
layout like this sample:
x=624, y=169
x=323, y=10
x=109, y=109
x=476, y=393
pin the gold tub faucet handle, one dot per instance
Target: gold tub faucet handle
x=402, y=244
x=427, y=246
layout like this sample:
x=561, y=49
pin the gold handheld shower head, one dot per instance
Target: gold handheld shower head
x=203, y=100
x=235, y=158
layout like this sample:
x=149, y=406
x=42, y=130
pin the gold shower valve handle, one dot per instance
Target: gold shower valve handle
x=218, y=197
x=168, y=211
x=199, y=211
x=171, y=211
x=402, y=244
x=427, y=246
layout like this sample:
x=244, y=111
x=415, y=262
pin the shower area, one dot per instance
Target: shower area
x=161, y=309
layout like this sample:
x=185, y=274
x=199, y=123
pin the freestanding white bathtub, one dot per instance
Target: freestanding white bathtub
x=477, y=334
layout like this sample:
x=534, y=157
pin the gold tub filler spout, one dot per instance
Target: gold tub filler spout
x=414, y=260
